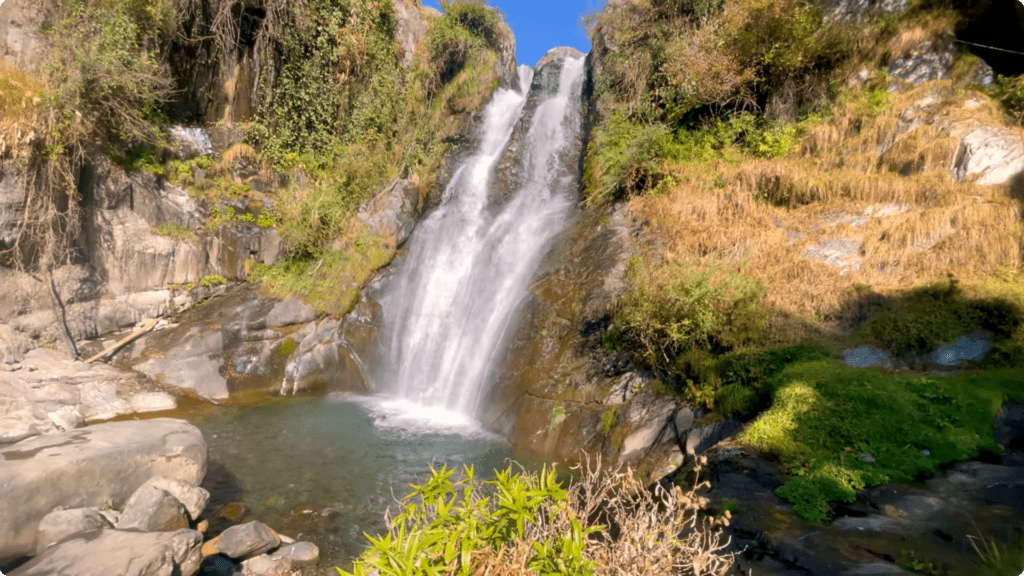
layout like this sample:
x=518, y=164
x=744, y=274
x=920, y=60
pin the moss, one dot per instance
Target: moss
x=287, y=347
x=175, y=232
x=839, y=430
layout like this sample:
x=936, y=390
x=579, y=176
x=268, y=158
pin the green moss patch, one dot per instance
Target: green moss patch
x=839, y=430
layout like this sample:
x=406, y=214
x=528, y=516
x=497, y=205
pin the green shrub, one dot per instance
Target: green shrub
x=675, y=308
x=936, y=314
x=839, y=430
x=211, y=280
x=287, y=347
x=1009, y=91
x=103, y=65
x=175, y=232
x=624, y=159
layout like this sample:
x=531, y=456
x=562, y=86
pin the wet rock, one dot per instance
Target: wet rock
x=702, y=438
x=220, y=565
x=60, y=524
x=288, y=312
x=109, y=552
x=299, y=553
x=993, y=155
x=867, y=356
x=392, y=213
x=190, y=142
x=193, y=364
x=930, y=60
x=232, y=511
x=267, y=566
x=243, y=541
x=151, y=509
x=89, y=467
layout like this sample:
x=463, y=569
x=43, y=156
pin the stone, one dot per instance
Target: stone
x=288, y=312
x=194, y=364
x=232, y=511
x=392, y=213
x=151, y=509
x=243, y=541
x=100, y=401
x=842, y=253
x=994, y=155
x=700, y=439
x=192, y=497
x=930, y=60
x=267, y=566
x=410, y=30
x=13, y=344
x=60, y=524
x=191, y=141
x=108, y=552
x=866, y=356
x=299, y=553
x=94, y=466
x=152, y=402
x=847, y=10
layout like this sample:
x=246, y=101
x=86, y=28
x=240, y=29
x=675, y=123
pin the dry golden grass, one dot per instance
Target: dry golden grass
x=20, y=98
x=762, y=216
x=935, y=25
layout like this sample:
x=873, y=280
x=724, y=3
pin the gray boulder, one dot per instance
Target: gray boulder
x=109, y=552
x=288, y=312
x=392, y=213
x=243, y=541
x=931, y=60
x=151, y=509
x=60, y=524
x=267, y=566
x=97, y=466
x=995, y=155
x=299, y=553
x=193, y=364
x=192, y=497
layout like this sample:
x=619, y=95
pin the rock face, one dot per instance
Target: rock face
x=50, y=393
x=410, y=30
x=12, y=195
x=993, y=155
x=392, y=213
x=931, y=60
x=151, y=509
x=60, y=524
x=20, y=39
x=90, y=467
x=109, y=552
x=929, y=524
x=847, y=10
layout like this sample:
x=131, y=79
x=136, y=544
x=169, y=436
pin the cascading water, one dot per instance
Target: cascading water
x=448, y=308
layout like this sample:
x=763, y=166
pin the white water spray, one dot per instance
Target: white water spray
x=450, y=305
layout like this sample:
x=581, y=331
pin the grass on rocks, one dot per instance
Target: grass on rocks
x=839, y=430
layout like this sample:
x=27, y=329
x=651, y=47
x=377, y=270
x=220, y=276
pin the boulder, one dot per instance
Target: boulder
x=299, y=553
x=152, y=402
x=109, y=552
x=392, y=213
x=192, y=497
x=994, y=155
x=151, y=509
x=267, y=566
x=288, y=312
x=243, y=541
x=96, y=466
x=60, y=524
x=193, y=364
x=930, y=60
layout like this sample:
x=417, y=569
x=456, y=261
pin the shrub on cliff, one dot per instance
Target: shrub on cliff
x=524, y=523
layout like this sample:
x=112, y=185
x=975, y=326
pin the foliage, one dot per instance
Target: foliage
x=623, y=159
x=936, y=314
x=999, y=557
x=175, y=232
x=211, y=280
x=329, y=279
x=1009, y=91
x=676, y=308
x=528, y=523
x=104, y=65
x=839, y=429
x=287, y=347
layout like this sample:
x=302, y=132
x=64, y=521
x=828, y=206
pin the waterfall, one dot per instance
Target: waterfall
x=450, y=305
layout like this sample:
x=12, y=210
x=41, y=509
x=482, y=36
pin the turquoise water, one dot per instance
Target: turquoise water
x=325, y=469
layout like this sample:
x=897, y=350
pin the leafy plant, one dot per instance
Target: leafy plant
x=463, y=526
x=211, y=280
x=175, y=232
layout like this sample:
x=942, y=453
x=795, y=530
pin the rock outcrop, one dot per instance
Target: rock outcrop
x=97, y=466
x=107, y=552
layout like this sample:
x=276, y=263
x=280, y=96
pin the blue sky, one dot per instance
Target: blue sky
x=540, y=25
